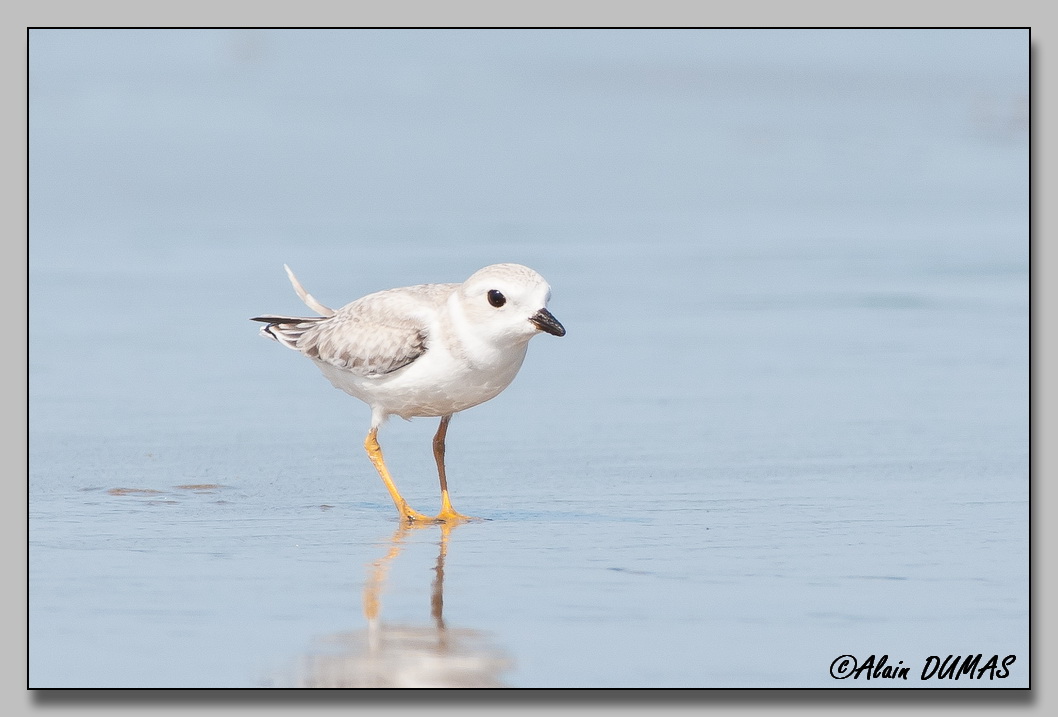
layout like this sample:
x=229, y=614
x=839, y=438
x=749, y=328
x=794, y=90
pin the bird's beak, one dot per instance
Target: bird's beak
x=545, y=321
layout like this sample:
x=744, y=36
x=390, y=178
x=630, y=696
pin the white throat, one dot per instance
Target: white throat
x=474, y=346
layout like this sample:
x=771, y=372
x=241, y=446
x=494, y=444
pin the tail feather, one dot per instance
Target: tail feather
x=288, y=329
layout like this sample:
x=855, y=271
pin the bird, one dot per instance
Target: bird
x=429, y=350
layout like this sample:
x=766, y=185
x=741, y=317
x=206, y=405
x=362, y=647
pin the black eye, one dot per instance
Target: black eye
x=496, y=298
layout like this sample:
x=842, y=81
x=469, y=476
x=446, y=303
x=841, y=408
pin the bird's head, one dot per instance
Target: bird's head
x=508, y=302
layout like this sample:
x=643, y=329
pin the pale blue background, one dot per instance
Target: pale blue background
x=789, y=420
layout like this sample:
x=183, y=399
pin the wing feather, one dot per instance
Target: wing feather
x=373, y=336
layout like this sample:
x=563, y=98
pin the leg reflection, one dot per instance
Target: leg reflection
x=437, y=598
x=391, y=654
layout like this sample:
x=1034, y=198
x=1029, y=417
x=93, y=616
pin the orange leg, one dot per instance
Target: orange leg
x=374, y=452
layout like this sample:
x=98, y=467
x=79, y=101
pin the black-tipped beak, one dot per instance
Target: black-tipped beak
x=545, y=321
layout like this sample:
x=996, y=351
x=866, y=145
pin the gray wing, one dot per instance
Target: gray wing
x=372, y=336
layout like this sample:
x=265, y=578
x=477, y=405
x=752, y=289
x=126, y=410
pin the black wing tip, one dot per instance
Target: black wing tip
x=273, y=319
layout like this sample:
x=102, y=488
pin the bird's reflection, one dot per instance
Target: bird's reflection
x=401, y=655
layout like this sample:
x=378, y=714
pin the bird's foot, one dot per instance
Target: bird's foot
x=445, y=517
x=450, y=516
x=408, y=515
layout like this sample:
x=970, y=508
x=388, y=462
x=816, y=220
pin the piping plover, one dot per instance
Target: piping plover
x=425, y=350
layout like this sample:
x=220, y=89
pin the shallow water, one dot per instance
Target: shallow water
x=789, y=421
